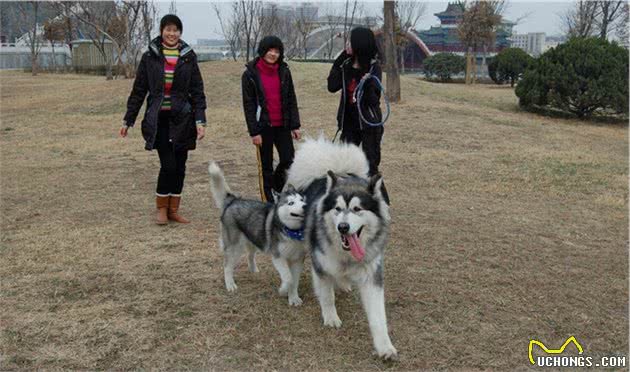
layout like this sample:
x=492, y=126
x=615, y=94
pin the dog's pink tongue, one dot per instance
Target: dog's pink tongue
x=356, y=249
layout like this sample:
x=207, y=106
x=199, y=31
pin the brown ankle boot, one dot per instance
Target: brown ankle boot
x=161, y=203
x=173, y=207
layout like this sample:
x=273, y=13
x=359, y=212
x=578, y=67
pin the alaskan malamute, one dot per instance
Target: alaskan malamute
x=251, y=225
x=346, y=228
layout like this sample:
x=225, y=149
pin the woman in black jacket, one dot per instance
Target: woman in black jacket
x=271, y=113
x=357, y=60
x=175, y=112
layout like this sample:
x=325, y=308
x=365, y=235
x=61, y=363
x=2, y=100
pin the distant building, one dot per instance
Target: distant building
x=211, y=49
x=553, y=41
x=307, y=11
x=444, y=38
x=86, y=55
x=533, y=42
x=302, y=11
x=217, y=43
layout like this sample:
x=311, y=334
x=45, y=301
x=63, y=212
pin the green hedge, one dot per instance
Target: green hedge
x=444, y=66
x=581, y=76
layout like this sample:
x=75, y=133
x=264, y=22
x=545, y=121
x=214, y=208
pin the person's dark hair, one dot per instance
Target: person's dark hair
x=269, y=42
x=171, y=19
x=363, y=44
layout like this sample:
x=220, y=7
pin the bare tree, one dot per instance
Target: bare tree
x=230, y=28
x=127, y=32
x=351, y=10
x=172, y=9
x=286, y=32
x=580, y=20
x=247, y=11
x=149, y=14
x=271, y=22
x=389, y=40
x=304, y=25
x=68, y=20
x=477, y=30
x=100, y=17
x=54, y=31
x=28, y=12
x=408, y=13
x=609, y=13
x=259, y=24
x=333, y=20
x=621, y=30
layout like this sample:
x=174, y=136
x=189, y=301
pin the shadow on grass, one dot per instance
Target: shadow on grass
x=599, y=119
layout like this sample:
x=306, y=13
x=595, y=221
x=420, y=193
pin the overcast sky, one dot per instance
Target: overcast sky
x=200, y=21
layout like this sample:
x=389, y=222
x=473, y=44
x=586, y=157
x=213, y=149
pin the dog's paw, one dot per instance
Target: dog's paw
x=230, y=286
x=295, y=301
x=284, y=289
x=332, y=321
x=387, y=353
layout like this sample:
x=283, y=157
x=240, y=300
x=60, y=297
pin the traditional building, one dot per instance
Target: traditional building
x=444, y=38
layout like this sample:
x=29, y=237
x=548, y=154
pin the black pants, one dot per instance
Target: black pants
x=172, y=163
x=370, y=141
x=275, y=179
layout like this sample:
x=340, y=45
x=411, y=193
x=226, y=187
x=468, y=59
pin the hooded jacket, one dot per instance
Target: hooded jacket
x=339, y=78
x=254, y=104
x=187, y=96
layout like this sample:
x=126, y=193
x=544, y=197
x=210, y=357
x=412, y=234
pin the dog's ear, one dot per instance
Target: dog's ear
x=290, y=189
x=276, y=196
x=331, y=181
x=375, y=185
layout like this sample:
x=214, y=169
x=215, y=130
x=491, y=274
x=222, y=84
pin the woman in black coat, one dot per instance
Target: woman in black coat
x=271, y=113
x=358, y=59
x=175, y=112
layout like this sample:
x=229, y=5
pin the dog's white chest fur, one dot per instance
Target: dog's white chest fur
x=292, y=249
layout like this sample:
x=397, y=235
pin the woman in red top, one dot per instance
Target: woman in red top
x=271, y=113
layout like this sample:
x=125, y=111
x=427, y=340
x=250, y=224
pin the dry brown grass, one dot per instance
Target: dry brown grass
x=507, y=226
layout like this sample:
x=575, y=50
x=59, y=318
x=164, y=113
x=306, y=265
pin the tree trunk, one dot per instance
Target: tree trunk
x=54, y=61
x=391, y=66
x=468, y=68
x=108, y=68
x=34, y=64
x=402, y=60
x=484, y=67
x=474, y=68
x=603, y=32
x=34, y=41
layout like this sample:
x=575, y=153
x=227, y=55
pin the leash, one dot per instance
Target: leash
x=358, y=95
x=260, y=175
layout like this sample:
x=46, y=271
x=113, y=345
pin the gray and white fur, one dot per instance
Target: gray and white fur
x=249, y=226
x=346, y=229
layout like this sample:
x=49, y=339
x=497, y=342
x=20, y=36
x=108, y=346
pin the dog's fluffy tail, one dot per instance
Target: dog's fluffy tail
x=315, y=157
x=218, y=186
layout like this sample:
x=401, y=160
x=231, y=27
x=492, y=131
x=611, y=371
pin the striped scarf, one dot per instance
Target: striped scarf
x=171, y=55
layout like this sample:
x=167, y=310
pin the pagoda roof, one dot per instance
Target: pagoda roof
x=452, y=10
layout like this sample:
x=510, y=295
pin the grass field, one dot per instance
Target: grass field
x=507, y=226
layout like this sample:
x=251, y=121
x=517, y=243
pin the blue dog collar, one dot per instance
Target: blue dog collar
x=294, y=234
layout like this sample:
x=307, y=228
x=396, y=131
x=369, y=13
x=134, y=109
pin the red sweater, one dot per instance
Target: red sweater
x=271, y=87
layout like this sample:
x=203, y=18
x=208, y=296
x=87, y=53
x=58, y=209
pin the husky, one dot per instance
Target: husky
x=346, y=229
x=251, y=226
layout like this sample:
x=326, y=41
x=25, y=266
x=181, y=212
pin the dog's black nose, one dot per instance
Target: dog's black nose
x=343, y=228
